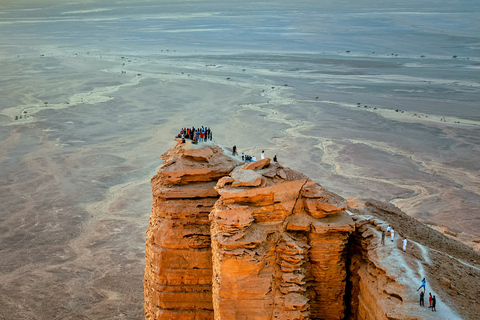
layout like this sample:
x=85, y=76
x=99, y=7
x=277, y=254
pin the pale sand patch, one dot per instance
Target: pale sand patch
x=410, y=116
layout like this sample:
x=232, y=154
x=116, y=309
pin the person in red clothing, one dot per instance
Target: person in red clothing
x=430, y=299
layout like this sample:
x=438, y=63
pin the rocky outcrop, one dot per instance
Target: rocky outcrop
x=271, y=257
x=383, y=280
x=178, y=256
x=229, y=240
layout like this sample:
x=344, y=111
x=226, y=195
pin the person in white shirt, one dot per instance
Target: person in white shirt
x=254, y=159
x=404, y=244
x=262, y=155
x=392, y=233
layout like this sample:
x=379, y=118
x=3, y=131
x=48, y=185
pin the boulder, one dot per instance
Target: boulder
x=257, y=165
x=245, y=178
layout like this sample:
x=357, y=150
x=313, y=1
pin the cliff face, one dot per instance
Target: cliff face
x=260, y=241
x=278, y=248
x=178, y=255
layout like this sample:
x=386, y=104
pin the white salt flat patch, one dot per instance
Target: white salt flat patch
x=86, y=11
x=418, y=65
x=196, y=30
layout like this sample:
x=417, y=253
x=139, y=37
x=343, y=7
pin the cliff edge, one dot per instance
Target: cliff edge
x=229, y=240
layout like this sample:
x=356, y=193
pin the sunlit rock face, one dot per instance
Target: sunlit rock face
x=272, y=256
x=229, y=240
x=178, y=255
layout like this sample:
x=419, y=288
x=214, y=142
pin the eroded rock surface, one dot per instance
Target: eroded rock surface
x=272, y=257
x=178, y=255
x=260, y=241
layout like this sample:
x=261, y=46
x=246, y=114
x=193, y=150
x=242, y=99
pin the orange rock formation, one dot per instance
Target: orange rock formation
x=260, y=241
x=178, y=268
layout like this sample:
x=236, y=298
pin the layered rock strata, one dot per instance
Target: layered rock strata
x=278, y=249
x=178, y=255
x=229, y=240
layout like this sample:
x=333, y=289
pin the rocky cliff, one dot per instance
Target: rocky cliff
x=229, y=240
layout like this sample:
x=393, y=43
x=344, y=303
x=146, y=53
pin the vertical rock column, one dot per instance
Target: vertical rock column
x=278, y=243
x=178, y=257
x=292, y=301
x=248, y=245
x=328, y=269
x=329, y=232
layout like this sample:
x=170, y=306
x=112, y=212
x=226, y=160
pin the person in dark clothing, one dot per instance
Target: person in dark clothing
x=422, y=299
x=275, y=159
x=383, y=237
x=234, y=150
x=434, y=303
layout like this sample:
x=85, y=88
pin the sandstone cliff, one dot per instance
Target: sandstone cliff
x=178, y=255
x=260, y=241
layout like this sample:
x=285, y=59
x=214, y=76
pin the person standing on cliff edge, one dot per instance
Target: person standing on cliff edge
x=234, y=150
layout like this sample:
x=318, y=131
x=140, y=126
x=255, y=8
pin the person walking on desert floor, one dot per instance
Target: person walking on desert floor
x=392, y=233
x=434, y=304
x=262, y=156
x=383, y=237
x=429, y=299
x=404, y=244
x=424, y=282
x=422, y=297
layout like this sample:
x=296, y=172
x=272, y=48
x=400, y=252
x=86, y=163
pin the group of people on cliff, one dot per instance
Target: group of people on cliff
x=247, y=158
x=204, y=134
x=392, y=235
x=195, y=134
x=431, y=299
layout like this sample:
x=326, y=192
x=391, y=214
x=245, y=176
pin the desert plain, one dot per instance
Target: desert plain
x=378, y=99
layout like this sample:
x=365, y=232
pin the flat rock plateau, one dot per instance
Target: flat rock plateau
x=374, y=99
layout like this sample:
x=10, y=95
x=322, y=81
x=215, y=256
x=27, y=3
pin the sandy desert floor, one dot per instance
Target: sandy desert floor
x=377, y=100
